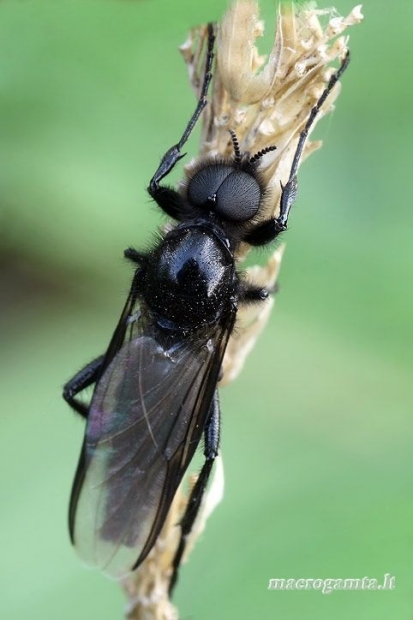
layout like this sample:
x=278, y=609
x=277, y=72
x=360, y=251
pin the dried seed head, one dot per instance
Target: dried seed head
x=267, y=101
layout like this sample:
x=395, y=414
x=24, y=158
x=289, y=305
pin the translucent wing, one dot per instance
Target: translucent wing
x=146, y=418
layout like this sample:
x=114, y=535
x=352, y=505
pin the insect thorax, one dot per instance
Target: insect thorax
x=190, y=278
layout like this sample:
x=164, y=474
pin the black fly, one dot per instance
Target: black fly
x=155, y=388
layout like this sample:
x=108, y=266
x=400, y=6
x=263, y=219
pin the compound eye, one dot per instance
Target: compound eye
x=239, y=196
x=206, y=182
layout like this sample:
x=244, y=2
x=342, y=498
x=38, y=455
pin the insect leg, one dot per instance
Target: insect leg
x=139, y=258
x=250, y=293
x=82, y=379
x=269, y=230
x=211, y=438
x=173, y=155
x=167, y=198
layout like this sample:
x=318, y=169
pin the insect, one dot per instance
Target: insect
x=155, y=389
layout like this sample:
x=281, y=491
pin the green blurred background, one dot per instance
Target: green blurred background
x=317, y=435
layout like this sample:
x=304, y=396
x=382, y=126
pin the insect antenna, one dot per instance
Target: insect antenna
x=257, y=156
x=235, y=144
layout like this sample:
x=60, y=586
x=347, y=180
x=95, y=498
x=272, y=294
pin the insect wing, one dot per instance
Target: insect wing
x=146, y=419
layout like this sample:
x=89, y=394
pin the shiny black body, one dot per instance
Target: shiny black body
x=155, y=387
x=189, y=280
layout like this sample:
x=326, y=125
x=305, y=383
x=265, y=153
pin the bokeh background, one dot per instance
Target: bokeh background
x=317, y=434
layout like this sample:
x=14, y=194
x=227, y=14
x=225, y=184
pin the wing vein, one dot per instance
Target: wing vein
x=144, y=409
